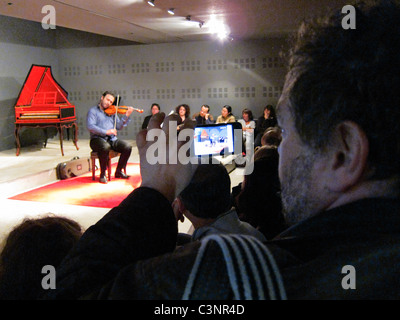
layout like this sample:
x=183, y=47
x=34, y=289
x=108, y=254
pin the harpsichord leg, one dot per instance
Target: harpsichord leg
x=76, y=135
x=16, y=132
x=60, y=133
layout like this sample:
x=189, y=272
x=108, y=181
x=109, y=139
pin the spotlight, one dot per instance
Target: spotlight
x=222, y=35
x=171, y=11
x=151, y=2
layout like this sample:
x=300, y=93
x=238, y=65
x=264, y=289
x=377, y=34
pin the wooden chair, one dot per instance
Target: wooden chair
x=94, y=156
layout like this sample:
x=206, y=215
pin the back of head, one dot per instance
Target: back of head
x=338, y=74
x=259, y=201
x=267, y=151
x=208, y=193
x=29, y=247
x=264, y=177
x=271, y=137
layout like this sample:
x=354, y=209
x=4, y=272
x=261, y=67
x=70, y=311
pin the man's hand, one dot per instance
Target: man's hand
x=129, y=111
x=168, y=178
x=111, y=132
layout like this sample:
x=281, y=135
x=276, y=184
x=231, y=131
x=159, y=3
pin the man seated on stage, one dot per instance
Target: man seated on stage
x=204, y=116
x=103, y=130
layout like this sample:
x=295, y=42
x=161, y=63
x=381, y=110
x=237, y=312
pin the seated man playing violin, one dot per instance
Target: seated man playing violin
x=103, y=126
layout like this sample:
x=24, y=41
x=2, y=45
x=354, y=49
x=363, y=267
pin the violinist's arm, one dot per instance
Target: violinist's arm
x=91, y=124
x=122, y=121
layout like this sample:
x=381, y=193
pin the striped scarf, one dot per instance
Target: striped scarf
x=252, y=270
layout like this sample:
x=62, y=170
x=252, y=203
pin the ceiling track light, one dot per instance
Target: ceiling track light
x=151, y=2
x=171, y=11
x=189, y=18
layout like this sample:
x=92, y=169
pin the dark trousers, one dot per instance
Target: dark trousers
x=103, y=147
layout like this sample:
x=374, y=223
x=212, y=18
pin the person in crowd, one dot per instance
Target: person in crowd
x=340, y=181
x=206, y=203
x=204, y=116
x=267, y=120
x=103, y=130
x=155, y=108
x=30, y=246
x=226, y=115
x=272, y=137
x=258, y=201
x=183, y=110
x=270, y=140
x=248, y=126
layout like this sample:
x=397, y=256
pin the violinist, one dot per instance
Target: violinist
x=103, y=128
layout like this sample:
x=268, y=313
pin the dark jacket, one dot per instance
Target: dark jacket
x=142, y=226
x=311, y=255
x=146, y=121
x=263, y=124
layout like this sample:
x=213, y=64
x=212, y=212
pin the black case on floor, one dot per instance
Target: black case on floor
x=73, y=168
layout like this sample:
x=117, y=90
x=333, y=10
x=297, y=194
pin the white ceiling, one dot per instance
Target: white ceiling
x=137, y=21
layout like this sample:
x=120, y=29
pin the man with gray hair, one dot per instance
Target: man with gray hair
x=339, y=171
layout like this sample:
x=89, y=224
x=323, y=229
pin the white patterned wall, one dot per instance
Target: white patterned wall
x=241, y=74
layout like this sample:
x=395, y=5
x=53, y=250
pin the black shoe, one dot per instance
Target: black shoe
x=121, y=175
x=103, y=179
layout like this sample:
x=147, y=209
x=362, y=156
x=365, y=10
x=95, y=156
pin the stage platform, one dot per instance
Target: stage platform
x=36, y=166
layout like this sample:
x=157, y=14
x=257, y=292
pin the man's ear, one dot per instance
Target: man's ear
x=179, y=208
x=182, y=207
x=348, y=160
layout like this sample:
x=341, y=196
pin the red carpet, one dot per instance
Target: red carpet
x=83, y=191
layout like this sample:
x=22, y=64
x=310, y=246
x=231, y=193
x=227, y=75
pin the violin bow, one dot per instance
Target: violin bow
x=116, y=113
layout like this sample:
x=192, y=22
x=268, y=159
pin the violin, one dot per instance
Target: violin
x=121, y=110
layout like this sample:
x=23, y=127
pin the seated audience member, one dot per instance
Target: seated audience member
x=155, y=108
x=259, y=201
x=204, y=116
x=226, y=115
x=183, y=110
x=248, y=126
x=340, y=186
x=206, y=203
x=267, y=120
x=29, y=247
